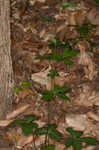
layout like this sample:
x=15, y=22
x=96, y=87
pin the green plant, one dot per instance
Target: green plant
x=26, y=124
x=56, y=43
x=24, y=84
x=56, y=92
x=51, y=130
x=76, y=140
x=48, y=147
x=52, y=73
x=17, y=89
x=67, y=53
x=45, y=18
x=67, y=4
x=84, y=29
x=97, y=1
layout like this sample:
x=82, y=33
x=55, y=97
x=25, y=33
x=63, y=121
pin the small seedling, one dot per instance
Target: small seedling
x=76, y=140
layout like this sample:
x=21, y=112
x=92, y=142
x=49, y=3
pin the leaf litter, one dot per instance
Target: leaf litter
x=32, y=25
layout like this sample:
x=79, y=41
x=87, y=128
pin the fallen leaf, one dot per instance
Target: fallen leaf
x=42, y=78
x=4, y=123
x=86, y=60
x=93, y=116
x=78, y=122
x=16, y=112
x=23, y=93
x=24, y=140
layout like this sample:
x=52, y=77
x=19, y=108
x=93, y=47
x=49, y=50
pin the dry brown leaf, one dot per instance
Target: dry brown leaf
x=5, y=123
x=61, y=78
x=80, y=16
x=93, y=116
x=59, y=146
x=42, y=33
x=86, y=60
x=42, y=78
x=78, y=122
x=23, y=93
x=16, y=112
x=24, y=140
x=93, y=16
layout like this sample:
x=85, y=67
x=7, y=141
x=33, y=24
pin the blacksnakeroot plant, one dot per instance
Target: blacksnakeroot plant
x=28, y=124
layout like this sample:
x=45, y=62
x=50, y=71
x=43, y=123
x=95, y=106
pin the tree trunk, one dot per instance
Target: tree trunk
x=6, y=80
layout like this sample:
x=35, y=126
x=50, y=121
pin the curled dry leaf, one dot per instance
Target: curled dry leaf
x=86, y=60
x=17, y=111
x=78, y=122
x=24, y=140
x=4, y=123
x=93, y=16
x=93, y=116
x=42, y=78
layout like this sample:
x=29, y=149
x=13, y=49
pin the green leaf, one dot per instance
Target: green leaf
x=64, y=97
x=25, y=84
x=31, y=117
x=56, y=43
x=67, y=4
x=97, y=1
x=54, y=134
x=45, y=18
x=52, y=73
x=51, y=126
x=45, y=56
x=56, y=56
x=17, y=89
x=83, y=30
x=74, y=133
x=92, y=44
x=77, y=145
x=27, y=128
x=69, y=142
x=68, y=53
x=47, y=95
x=41, y=131
x=48, y=147
x=58, y=89
x=64, y=111
x=52, y=44
x=90, y=140
x=68, y=62
x=16, y=122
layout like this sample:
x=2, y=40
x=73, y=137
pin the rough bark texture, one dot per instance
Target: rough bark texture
x=6, y=80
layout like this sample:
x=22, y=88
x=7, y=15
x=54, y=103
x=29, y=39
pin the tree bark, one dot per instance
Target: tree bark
x=6, y=73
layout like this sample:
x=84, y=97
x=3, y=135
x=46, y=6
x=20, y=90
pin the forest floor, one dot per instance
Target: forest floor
x=39, y=28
